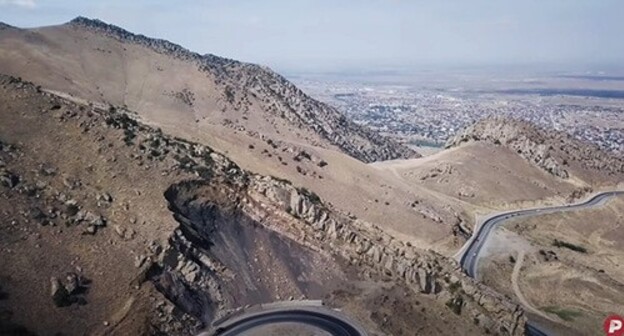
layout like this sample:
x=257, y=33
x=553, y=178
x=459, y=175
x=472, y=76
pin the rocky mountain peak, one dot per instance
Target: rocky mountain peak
x=158, y=45
x=5, y=26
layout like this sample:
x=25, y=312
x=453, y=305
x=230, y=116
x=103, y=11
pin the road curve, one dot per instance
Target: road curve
x=469, y=259
x=324, y=319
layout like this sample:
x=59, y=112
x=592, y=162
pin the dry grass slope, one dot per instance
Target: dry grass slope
x=167, y=84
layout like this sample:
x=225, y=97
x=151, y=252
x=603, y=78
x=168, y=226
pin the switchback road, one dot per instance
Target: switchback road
x=471, y=252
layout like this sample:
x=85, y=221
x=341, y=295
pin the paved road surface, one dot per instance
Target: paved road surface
x=470, y=259
x=471, y=252
x=323, y=318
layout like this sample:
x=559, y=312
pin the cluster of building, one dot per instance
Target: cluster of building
x=429, y=117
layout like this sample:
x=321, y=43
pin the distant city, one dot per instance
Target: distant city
x=427, y=116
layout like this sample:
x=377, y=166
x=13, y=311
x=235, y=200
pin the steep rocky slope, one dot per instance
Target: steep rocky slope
x=166, y=83
x=555, y=152
x=87, y=196
x=247, y=112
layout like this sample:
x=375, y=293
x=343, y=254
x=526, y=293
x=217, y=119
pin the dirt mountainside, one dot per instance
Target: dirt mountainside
x=167, y=84
x=110, y=226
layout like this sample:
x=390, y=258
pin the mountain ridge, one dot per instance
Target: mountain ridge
x=557, y=153
x=156, y=44
x=355, y=140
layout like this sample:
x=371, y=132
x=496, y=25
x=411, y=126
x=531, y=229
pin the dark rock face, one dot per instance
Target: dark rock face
x=216, y=260
x=8, y=179
x=60, y=296
x=69, y=291
x=371, y=249
x=213, y=261
x=279, y=96
x=4, y=26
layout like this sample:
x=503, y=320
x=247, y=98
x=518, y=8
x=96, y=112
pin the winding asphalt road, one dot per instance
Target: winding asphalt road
x=469, y=260
x=321, y=318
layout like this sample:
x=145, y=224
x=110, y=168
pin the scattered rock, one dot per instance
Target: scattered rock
x=456, y=304
x=71, y=183
x=41, y=185
x=139, y=260
x=8, y=179
x=60, y=296
x=548, y=255
x=72, y=283
x=39, y=216
x=104, y=197
x=71, y=208
x=90, y=230
x=155, y=247
x=96, y=220
x=47, y=170
x=126, y=234
x=71, y=291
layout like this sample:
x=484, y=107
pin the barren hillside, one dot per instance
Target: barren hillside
x=555, y=152
x=112, y=227
x=167, y=84
x=501, y=163
x=254, y=116
x=481, y=173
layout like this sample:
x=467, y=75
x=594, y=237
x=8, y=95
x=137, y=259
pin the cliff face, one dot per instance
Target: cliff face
x=298, y=215
x=555, y=152
x=376, y=253
x=243, y=83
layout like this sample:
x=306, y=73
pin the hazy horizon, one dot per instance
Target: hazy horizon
x=321, y=35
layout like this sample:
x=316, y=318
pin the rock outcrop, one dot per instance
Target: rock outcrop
x=300, y=215
x=375, y=252
x=187, y=269
x=555, y=152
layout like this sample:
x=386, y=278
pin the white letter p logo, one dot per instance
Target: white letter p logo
x=615, y=325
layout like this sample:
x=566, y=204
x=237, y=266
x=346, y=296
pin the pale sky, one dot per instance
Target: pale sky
x=333, y=34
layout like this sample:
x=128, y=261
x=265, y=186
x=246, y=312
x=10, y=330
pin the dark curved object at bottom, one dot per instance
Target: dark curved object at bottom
x=533, y=331
x=331, y=324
